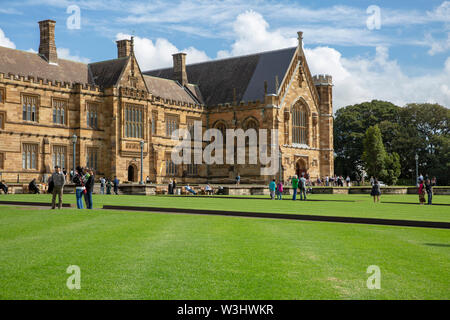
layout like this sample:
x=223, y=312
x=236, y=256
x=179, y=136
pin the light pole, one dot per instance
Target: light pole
x=74, y=141
x=417, y=168
x=142, y=162
x=279, y=168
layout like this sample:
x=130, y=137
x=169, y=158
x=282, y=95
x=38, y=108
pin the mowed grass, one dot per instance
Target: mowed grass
x=327, y=205
x=140, y=255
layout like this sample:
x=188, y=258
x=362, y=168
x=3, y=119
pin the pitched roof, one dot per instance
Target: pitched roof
x=31, y=64
x=218, y=79
x=107, y=73
x=168, y=89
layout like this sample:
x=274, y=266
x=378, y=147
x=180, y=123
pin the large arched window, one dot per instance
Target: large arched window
x=299, y=124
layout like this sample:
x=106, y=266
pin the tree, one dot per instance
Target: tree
x=350, y=125
x=374, y=154
x=392, y=168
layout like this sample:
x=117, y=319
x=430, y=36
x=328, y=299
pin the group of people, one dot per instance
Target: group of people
x=84, y=180
x=107, y=184
x=426, y=185
x=298, y=184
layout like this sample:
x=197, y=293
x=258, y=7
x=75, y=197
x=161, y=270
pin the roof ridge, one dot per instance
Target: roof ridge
x=122, y=58
x=37, y=54
x=228, y=58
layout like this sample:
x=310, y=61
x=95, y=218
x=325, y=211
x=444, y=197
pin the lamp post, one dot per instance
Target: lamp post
x=417, y=168
x=142, y=162
x=279, y=166
x=74, y=141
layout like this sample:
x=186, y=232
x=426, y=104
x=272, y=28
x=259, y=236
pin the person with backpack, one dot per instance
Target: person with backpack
x=294, y=187
x=376, y=190
x=80, y=189
x=302, y=187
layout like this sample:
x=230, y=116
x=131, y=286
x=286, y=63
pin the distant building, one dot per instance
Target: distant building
x=112, y=105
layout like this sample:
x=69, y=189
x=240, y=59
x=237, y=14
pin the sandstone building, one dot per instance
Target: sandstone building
x=111, y=106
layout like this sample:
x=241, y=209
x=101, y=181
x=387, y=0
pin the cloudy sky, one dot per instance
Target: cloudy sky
x=391, y=50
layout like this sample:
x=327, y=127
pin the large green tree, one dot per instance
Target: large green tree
x=350, y=125
x=374, y=154
x=415, y=128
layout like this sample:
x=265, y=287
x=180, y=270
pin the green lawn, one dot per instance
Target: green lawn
x=138, y=255
x=329, y=205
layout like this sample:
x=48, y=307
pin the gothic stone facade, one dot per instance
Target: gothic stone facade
x=111, y=106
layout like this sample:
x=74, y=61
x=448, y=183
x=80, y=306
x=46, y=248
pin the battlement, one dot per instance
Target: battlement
x=323, y=80
x=47, y=83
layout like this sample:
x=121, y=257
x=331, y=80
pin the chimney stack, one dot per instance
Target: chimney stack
x=179, y=68
x=124, y=48
x=47, y=47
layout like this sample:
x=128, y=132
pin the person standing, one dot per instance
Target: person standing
x=174, y=186
x=376, y=191
x=302, y=186
x=4, y=186
x=89, y=189
x=421, y=192
x=272, y=187
x=348, y=181
x=279, y=190
x=59, y=180
x=102, y=185
x=108, y=186
x=238, y=179
x=170, y=187
x=429, y=188
x=116, y=185
x=79, y=187
x=294, y=187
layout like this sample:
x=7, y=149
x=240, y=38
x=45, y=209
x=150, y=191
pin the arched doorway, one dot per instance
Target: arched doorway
x=132, y=172
x=300, y=168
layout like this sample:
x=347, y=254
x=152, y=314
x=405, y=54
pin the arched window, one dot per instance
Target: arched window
x=299, y=124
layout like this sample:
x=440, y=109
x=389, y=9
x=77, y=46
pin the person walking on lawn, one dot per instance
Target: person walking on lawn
x=59, y=180
x=294, y=187
x=272, y=188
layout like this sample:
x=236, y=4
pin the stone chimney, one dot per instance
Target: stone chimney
x=47, y=47
x=124, y=48
x=179, y=68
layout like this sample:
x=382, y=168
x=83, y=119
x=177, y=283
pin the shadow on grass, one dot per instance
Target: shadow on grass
x=416, y=203
x=248, y=198
x=444, y=245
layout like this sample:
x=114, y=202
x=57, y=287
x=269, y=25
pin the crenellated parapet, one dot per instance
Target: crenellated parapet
x=323, y=80
x=46, y=84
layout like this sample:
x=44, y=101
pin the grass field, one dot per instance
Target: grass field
x=131, y=255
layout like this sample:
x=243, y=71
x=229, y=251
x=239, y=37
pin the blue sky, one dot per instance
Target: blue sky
x=404, y=56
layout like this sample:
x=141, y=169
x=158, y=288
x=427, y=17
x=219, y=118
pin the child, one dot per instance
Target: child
x=279, y=190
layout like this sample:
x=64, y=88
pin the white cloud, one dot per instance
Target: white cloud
x=362, y=79
x=437, y=46
x=64, y=53
x=5, y=42
x=158, y=54
x=253, y=36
